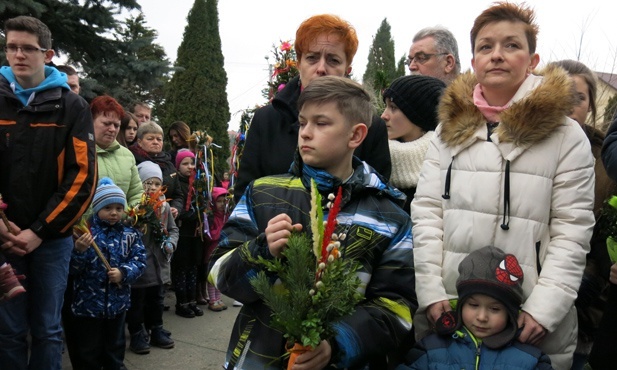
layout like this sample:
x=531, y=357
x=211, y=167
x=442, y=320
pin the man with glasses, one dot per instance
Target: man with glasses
x=48, y=175
x=434, y=53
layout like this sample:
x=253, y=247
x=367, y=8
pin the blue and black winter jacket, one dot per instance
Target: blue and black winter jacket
x=463, y=351
x=94, y=295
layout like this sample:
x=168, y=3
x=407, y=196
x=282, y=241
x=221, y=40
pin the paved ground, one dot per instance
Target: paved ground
x=201, y=342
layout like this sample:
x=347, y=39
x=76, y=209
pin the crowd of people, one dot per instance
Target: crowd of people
x=474, y=205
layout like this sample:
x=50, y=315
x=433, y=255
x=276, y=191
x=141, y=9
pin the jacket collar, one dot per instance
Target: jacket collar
x=42, y=97
x=98, y=225
x=364, y=178
x=111, y=148
x=536, y=110
x=53, y=80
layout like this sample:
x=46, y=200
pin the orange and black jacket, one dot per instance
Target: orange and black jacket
x=47, y=160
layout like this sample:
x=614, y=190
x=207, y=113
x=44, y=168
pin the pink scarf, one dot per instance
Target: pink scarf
x=489, y=112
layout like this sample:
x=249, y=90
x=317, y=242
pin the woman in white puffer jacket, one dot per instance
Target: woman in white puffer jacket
x=507, y=168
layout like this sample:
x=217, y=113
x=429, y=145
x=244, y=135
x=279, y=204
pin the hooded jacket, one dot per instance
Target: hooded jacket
x=93, y=294
x=47, y=156
x=463, y=351
x=273, y=137
x=526, y=188
x=378, y=235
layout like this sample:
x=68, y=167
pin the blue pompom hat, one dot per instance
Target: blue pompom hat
x=107, y=193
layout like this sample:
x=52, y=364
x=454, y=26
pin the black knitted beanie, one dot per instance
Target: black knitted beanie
x=417, y=97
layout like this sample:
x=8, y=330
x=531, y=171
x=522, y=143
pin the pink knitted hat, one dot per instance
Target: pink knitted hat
x=183, y=153
x=217, y=192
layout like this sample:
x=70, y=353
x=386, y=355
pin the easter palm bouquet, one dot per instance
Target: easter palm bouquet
x=146, y=216
x=317, y=286
x=285, y=68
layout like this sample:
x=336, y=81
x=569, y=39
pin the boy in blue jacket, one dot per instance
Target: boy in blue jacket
x=101, y=297
x=335, y=113
x=481, y=333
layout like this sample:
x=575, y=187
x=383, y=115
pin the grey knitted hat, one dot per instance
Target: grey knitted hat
x=148, y=170
x=492, y=272
x=418, y=98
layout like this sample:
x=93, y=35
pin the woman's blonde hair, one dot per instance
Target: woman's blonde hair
x=149, y=127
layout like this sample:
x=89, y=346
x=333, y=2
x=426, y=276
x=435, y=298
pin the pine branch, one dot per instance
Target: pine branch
x=304, y=313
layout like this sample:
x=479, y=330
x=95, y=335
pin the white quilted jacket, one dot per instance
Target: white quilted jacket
x=529, y=191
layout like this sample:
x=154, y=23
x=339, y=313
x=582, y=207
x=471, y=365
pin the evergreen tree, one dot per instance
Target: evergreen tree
x=381, y=68
x=401, y=68
x=137, y=72
x=79, y=28
x=197, y=91
x=609, y=111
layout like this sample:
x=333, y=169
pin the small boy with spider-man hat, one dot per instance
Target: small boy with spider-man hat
x=481, y=333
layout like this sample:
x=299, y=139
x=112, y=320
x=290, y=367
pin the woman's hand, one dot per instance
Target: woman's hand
x=434, y=311
x=613, y=276
x=533, y=333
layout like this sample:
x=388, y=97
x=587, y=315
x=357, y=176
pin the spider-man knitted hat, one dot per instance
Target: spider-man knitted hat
x=494, y=273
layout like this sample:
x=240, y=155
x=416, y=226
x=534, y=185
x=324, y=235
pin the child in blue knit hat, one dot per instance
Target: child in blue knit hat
x=102, y=296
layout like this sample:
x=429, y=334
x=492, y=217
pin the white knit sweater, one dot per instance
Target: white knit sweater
x=407, y=160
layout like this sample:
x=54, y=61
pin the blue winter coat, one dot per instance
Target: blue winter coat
x=463, y=351
x=94, y=295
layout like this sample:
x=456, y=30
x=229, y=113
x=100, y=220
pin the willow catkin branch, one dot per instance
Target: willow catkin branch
x=101, y=256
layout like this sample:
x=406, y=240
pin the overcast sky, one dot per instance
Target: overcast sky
x=249, y=28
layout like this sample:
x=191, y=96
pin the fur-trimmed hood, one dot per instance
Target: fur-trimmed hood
x=537, y=108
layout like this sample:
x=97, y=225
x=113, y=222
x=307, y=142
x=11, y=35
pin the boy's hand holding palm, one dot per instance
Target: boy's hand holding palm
x=83, y=242
x=278, y=230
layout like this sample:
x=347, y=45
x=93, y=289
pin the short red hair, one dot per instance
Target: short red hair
x=105, y=104
x=328, y=24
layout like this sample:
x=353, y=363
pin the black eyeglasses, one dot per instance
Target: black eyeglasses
x=25, y=49
x=421, y=58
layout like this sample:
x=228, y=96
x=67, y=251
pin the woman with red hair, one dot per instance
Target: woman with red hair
x=114, y=160
x=325, y=45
